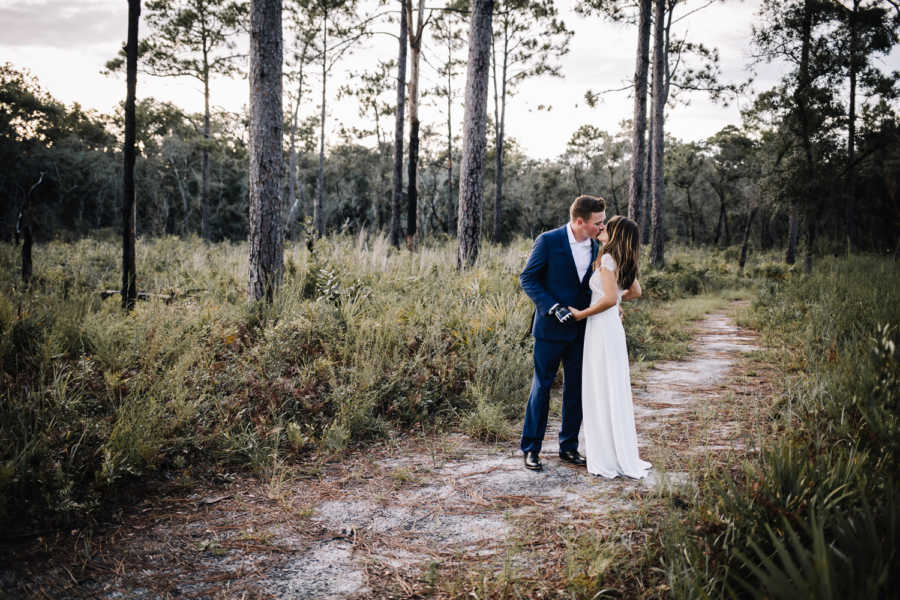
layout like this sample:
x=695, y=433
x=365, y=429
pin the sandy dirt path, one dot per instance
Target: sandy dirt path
x=412, y=517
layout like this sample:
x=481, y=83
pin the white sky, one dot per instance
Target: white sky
x=65, y=43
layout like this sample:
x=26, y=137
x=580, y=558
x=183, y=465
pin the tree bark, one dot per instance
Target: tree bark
x=293, y=202
x=802, y=99
x=129, y=270
x=657, y=235
x=397, y=199
x=500, y=122
x=790, y=256
x=266, y=53
x=692, y=233
x=415, y=48
x=204, y=183
x=746, y=242
x=850, y=199
x=471, y=170
x=639, y=131
x=318, y=219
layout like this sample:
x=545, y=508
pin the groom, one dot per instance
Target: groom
x=556, y=277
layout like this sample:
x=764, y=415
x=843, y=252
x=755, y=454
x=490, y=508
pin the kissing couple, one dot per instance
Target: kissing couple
x=577, y=275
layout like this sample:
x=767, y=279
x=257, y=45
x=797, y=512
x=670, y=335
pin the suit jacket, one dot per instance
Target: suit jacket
x=550, y=276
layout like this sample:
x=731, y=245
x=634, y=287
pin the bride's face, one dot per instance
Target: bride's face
x=603, y=237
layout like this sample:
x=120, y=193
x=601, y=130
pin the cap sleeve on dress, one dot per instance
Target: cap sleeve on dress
x=607, y=262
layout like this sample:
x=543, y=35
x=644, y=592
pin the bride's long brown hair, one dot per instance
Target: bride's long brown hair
x=624, y=246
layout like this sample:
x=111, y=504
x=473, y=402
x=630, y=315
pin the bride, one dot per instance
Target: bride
x=609, y=433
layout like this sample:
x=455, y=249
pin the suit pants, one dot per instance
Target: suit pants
x=547, y=356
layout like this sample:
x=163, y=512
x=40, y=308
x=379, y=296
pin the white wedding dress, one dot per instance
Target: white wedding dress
x=609, y=433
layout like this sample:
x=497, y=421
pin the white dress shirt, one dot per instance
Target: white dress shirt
x=581, y=252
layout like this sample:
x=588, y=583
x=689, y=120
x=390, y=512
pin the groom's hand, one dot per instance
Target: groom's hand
x=562, y=314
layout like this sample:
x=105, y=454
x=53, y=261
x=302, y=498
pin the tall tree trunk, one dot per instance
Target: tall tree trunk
x=204, y=185
x=415, y=48
x=657, y=235
x=850, y=199
x=293, y=203
x=746, y=242
x=691, y=232
x=790, y=256
x=802, y=99
x=266, y=54
x=500, y=123
x=318, y=218
x=129, y=268
x=397, y=199
x=638, y=137
x=449, y=218
x=720, y=224
x=471, y=170
x=647, y=187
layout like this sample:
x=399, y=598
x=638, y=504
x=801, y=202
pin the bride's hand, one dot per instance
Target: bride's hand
x=578, y=314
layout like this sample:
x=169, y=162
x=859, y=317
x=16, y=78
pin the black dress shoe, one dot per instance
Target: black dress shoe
x=533, y=461
x=572, y=456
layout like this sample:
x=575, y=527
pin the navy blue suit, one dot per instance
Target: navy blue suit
x=550, y=277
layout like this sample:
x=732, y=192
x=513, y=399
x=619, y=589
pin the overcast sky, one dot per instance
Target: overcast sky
x=65, y=43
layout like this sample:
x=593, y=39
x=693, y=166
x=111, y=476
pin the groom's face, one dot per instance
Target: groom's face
x=593, y=226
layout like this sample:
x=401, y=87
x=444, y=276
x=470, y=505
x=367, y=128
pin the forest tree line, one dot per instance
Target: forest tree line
x=815, y=160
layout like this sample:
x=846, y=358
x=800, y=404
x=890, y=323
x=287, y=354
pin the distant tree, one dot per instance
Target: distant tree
x=369, y=88
x=266, y=117
x=637, y=192
x=687, y=163
x=415, y=32
x=657, y=236
x=471, y=176
x=731, y=153
x=397, y=196
x=583, y=149
x=527, y=39
x=866, y=30
x=299, y=54
x=449, y=35
x=192, y=38
x=129, y=268
x=796, y=31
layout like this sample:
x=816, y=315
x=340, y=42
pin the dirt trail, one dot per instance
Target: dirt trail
x=396, y=520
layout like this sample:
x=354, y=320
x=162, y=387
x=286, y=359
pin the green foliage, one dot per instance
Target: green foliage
x=816, y=514
x=361, y=340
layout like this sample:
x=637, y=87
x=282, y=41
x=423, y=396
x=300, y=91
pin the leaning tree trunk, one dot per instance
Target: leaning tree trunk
x=657, y=234
x=265, y=149
x=471, y=170
x=415, y=47
x=397, y=199
x=129, y=270
x=639, y=131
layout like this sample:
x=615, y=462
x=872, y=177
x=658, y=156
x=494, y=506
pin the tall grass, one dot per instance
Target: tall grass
x=362, y=339
x=816, y=515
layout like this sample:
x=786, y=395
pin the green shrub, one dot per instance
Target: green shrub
x=816, y=514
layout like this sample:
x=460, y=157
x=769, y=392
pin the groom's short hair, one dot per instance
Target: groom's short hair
x=585, y=205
